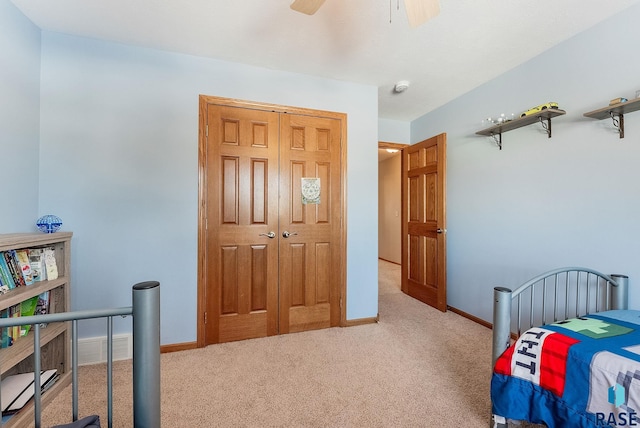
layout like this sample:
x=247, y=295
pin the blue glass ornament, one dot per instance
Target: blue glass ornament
x=49, y=223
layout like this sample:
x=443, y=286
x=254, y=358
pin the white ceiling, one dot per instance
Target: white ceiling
x=365, y=41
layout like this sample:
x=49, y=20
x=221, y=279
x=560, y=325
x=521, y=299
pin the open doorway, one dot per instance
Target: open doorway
x=412, y=208
x=389, y=216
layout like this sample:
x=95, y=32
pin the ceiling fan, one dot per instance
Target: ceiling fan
x=418, y=11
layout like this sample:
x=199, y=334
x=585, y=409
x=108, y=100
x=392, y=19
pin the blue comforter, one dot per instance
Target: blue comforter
x=583, y=372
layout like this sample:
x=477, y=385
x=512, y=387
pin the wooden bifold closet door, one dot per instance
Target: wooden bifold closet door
x=272, y=262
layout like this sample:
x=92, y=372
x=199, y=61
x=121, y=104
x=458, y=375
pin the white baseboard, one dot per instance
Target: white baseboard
x=93, y=350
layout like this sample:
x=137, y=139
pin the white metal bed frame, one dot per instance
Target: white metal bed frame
x=550, y=297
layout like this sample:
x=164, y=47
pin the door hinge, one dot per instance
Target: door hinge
x=206, y=131
x=341, y=303
x=205, y=317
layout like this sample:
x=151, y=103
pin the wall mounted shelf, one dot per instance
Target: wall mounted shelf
x=616, y=110
x=544, y=117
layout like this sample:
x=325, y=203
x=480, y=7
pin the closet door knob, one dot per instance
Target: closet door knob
x=269, y=235
x=286, y=234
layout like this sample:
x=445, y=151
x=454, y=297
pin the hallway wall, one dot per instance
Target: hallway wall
x=389, y=205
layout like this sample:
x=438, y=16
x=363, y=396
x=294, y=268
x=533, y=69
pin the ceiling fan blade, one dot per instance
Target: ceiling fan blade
x=307, y=6
x=420, y=11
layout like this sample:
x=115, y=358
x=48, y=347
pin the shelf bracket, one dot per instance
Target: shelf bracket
x=618, y=123
x=497, y=140
x=546, y=126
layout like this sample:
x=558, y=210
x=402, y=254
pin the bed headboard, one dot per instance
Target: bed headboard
x=551, y=297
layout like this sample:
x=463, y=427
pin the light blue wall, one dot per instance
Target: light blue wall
x=119, y=164
x=119, y=146
x=394, y=131
x=19, y=119
x=543, y=203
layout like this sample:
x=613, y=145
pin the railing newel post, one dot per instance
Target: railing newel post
x=501, y=321
x=146, y=355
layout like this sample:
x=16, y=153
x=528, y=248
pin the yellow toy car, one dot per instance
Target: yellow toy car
x=539, y=108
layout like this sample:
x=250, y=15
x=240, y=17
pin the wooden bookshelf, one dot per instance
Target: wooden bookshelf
x=55, y=337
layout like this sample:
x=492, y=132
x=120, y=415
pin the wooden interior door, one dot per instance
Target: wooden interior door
x=424, y=239
x=242, y=223
x=269, y=263
x=310, y=249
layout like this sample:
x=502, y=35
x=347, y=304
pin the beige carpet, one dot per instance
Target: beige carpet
x=417, y=367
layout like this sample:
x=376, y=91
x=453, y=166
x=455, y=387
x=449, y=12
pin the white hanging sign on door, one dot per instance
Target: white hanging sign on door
x=310, y=190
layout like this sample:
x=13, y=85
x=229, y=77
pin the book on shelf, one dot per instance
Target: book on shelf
x=50, y=265
x=3, y=287
x=7, y=279
x=42, y=307
x=14, y=267
x=14, y=312
x=36, y=261
x=22, y=257
x=19, y=389
x=28, y=308
x=6, y=340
